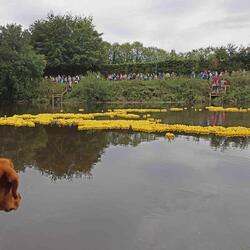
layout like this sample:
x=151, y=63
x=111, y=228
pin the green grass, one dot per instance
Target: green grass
x=46, y=89
x=174, y=90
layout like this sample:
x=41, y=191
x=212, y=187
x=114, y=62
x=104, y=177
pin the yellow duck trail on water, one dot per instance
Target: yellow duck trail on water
x=176, y=109
x=139, y=110
x=233, y=110
x=173, y=109
x=132, y=122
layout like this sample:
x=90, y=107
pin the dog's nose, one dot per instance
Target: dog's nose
x=10, y=209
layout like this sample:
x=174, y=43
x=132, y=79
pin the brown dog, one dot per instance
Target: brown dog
x=9, y=182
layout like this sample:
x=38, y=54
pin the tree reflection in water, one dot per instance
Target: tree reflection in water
x=223, y=143
x=67, y=153
x=61, y=152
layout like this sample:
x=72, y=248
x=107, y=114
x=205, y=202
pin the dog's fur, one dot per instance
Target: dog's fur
x=9, y=182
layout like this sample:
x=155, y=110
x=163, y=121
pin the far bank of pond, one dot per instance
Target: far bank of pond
x=184, y=90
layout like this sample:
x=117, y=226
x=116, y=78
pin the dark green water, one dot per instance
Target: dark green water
x=126, y=191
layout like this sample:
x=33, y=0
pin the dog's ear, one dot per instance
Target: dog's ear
x=11, y=164
x=14, y=187
x=14, y=183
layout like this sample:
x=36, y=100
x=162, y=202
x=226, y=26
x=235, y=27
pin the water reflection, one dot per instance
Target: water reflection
x=61, y=152
x=216, y=118
x=189, y=116
x=223, y=143
x=183, y=193
x=66, y=153
x=9, y=182
x=205, y=118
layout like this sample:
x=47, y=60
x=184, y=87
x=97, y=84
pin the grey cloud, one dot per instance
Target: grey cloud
x=174, y=7
x=238, y=6
x=230, y=22
x=169, y=24
x=24, y=12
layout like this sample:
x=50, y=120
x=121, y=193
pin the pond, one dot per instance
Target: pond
x=114, y=190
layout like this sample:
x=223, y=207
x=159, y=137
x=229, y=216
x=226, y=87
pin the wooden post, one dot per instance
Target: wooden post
x=222, y=99
x=61, y=100
x=53, y=101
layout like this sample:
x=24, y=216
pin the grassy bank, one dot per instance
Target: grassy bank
x=181, y=89
x=174, y=90
x=46, y=89
x=239, y=88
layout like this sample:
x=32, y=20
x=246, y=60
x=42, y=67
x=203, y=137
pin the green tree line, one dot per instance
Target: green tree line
x=70, y=45
x=126, y=58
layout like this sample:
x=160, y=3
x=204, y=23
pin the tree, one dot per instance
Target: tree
x=20, y=67
x=115, y=54
x=153, y=54
x=106, y=47
x=243, y=57
x=134, y=53
x=71, y=45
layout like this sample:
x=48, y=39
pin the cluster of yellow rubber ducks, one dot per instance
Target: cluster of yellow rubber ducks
x=111, y=120
x=222, y=109
x=210, y=108
x=177, y=109
x=138, y=110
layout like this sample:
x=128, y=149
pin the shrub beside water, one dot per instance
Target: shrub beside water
x=239, y=88
x=179, y=89
x=172, y=90
x=45, y=90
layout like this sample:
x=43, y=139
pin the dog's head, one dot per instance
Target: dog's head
x=9, y=182
x=7, y=200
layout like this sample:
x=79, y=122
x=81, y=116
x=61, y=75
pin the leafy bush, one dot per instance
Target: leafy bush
x=239, y=88
x=45, y=90
x=179, y=89
x=21, y=69
x=90, y=89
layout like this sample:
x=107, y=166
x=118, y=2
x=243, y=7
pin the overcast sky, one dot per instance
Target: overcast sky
x=169, y=24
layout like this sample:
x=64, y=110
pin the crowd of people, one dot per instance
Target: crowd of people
x=217, y=79
x=207, y=74
x=140, y=76
x=68, y=80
